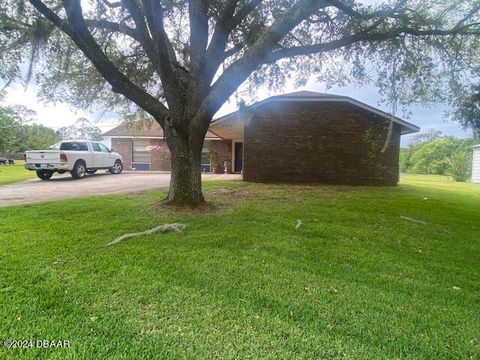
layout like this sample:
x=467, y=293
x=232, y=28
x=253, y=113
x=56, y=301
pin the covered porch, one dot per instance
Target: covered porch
x=227, y=155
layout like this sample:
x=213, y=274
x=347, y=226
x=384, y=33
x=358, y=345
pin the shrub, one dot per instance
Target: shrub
x=444, y=155
x=460, y=165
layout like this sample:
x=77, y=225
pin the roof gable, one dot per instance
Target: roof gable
x=305, y=96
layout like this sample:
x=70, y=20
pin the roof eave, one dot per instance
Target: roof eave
x=407, y=128
x=407, y=132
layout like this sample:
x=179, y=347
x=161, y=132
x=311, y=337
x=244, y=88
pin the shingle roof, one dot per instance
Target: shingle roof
x=152, y=130
x=304, y=94
x=407, y=127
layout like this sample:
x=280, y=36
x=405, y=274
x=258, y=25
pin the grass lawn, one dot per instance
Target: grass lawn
x=354, y=281
x=14, y=173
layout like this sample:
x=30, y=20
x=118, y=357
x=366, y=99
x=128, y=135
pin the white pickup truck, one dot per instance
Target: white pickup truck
x=79, y=157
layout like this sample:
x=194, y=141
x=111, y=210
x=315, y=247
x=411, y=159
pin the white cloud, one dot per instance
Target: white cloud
x=51, y=115
x=54, y=115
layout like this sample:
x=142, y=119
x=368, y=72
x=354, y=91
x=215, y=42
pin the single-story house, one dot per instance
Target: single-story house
x=145, y=148
x=476, y=164
x=298, y=137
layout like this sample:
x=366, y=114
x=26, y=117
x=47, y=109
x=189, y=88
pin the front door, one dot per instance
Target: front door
x=238, y=163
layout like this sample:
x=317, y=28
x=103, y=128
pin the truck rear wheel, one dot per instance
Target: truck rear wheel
x=79, y=170
x=44, y=174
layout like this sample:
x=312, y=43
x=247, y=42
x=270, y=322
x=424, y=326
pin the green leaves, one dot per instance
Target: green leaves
x=81, y=129
x=432, y=65
x=16, y=136
x=440, y=155
x=460, y=165
x=467, y=108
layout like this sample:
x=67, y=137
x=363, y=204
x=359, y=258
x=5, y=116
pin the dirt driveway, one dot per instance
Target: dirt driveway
x=63, y=186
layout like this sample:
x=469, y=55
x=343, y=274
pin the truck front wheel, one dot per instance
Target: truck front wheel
x=44, y=174
x=79, y=170
x=117, y=168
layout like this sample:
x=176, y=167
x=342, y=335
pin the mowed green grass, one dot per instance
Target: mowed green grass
x=14, y=173
x=353, y=281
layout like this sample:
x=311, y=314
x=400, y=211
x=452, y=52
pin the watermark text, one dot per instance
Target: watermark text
x=35, y=343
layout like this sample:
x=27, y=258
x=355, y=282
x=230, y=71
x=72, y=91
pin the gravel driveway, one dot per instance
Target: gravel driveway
x=63, y=186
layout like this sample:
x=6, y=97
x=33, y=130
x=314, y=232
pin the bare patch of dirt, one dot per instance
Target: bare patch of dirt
x=319, y=187
x=217, y=200
x=206, y=207
x=230, y=194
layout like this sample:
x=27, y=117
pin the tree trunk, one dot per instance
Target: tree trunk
x=186, y=179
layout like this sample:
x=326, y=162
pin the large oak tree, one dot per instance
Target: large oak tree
x=181, y=60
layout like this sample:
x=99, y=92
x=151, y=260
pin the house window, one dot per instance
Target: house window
x=141, y=158
x=205, y=160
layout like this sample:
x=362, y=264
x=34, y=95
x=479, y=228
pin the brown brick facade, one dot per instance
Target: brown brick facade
x=319, y=142
x=300, y=141
x=161, y=157
x=220, y=151
x=124, y=147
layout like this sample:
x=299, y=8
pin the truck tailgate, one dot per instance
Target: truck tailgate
x=42, y=157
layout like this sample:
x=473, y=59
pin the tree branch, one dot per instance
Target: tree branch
x=232, y=51
x=114, y=27
x=143, y=34
x=244, y=12
x=227, y=22
x=112, y=5
x=214, y=54
x=164, y=52
x=77, y=30
x=153, y=12
x=263, y=51
x=52, y=17
x=350, y=11
x=198, y=14
x=138, y=19
x=239, y=71
x=365, y=36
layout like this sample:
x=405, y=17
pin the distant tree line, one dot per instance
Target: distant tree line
x=81, y=129
x=435, y=153
x=17, y=136
x=19, y=133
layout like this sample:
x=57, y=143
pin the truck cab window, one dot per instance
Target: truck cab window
x=74, y=146
x=103, y=148
x=96, y=147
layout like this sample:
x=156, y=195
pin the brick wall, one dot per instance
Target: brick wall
x=124, y=148
x=161, y=158
x=220, y=151
x=319, y=142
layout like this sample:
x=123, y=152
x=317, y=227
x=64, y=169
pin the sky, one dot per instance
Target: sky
x=55, y=115
x=61, y=114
